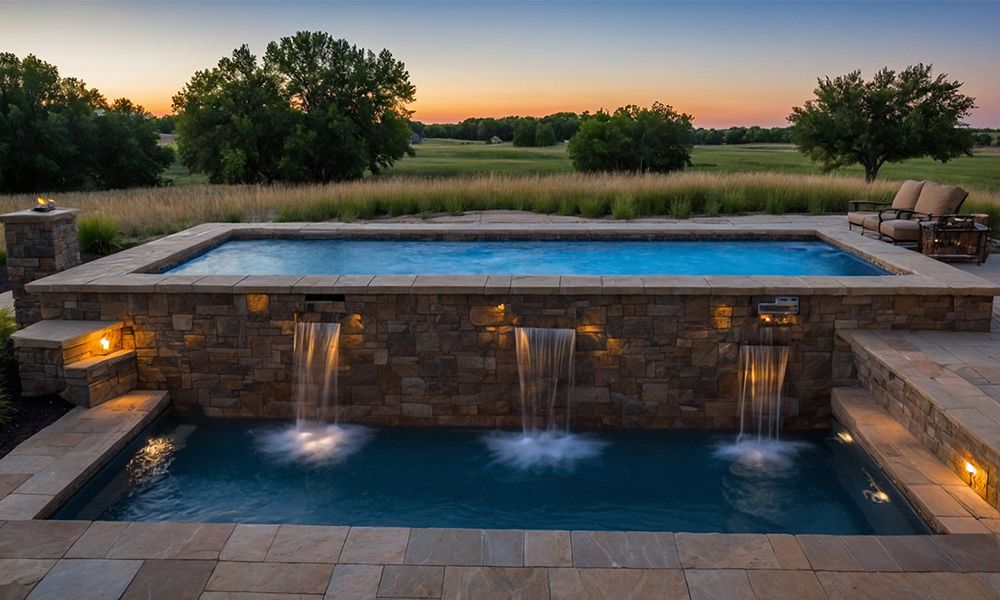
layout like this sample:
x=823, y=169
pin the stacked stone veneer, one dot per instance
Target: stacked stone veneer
x=98, y=379
x=924, y=415
x=448, y=358
x=39, y=244
x=42, y=366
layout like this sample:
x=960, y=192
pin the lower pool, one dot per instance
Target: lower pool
x=218, y=471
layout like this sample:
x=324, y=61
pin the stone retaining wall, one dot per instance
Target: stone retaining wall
x=448, y=359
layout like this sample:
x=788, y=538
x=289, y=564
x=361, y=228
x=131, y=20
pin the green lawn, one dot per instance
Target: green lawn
x=443, y=158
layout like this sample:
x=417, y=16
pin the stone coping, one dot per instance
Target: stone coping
x=45, y=470
x=942, y=498
x=62, y=333
x=135, y=270
x=82, y=560
x=34, y=216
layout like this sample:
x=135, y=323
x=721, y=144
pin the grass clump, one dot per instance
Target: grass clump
x=98, y=235
x=624, y=207
x=593, y=207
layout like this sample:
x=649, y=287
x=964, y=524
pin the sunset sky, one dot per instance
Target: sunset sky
x=736, y=63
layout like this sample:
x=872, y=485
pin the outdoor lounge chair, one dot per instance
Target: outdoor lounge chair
x=868, y=220
x=935, y=201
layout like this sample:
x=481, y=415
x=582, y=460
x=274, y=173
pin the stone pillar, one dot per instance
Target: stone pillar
x=39, y=244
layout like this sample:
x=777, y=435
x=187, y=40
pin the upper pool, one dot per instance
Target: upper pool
x=522, y=257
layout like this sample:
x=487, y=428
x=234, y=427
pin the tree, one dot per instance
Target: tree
x=524, y=132
x=656, y=139
x=314, y=109
x=545, y=135
x=56, y=134
x=891, y=118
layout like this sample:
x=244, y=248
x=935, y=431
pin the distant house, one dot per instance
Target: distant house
x=496, y=140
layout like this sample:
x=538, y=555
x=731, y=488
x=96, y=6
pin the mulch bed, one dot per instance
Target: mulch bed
x=25, y=416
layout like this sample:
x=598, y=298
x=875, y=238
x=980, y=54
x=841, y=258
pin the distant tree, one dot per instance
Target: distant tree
x=165, y=124
x=126, y=152
x=983, y=139
x=715, y=137
x=545, y=135
x=315, y=109
x=735, y=135
x=893, y=117
x=56, y=134
x=525, y=132
x=636, y=139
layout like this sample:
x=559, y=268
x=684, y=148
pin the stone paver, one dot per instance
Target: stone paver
x=547, y=549
x=725, y=551
x=39, y=539
x=248, y=543
x=375, y=545
x=170, y=580
x=617, y=584
x=503, y=548
x=718, y=584
x=637, y=550
x=408, y=581
x=445, y=547
x=171, y=540
x=306, y=543
x=785, y=585
x=354, y=582
x=285, y=578
x=495, y=583
x=19, y=575
x=905, y=586
x=86, y=579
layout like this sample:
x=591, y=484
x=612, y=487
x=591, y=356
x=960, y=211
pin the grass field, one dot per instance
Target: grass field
x=446, y=158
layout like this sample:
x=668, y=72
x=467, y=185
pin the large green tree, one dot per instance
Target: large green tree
x=56, y=134
x=314, y=109
x=893, y=117
x=633, y=138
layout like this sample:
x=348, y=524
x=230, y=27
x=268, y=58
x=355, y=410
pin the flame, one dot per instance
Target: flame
x=105, y=344
x=970, y=468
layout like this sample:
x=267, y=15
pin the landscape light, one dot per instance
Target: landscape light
x=105, y=345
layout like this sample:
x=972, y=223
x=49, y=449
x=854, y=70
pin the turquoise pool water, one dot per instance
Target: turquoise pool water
x=519, y=257
x=219, y=471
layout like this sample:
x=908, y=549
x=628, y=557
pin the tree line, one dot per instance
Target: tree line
x=317, y=109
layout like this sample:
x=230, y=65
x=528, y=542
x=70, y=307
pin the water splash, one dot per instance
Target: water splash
x=545, y=366
x=316, y=437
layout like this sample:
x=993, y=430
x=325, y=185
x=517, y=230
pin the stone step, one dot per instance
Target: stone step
x=937, y=386
x=946, y=499
x=94, y=380
x=45, y=347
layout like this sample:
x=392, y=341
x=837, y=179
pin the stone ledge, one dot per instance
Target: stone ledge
x=947, y=502
x=60, y=333
x=34, y=216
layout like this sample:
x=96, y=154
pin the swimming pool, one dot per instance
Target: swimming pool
x=217, y=471
x=524, y=257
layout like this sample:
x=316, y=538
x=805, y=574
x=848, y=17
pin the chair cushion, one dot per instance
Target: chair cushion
x=936, y=199
x=909, y=192
x=858, y=218
x=871, y=223
x=901, y=230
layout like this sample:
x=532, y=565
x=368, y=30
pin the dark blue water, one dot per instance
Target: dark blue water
x=514, y=257
x=643, y=480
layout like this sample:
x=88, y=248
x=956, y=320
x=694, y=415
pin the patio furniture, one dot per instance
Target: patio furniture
x=868, y=220
x=955, y=236
x=901, y=226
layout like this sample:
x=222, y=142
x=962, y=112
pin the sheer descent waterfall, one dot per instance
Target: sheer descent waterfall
x=544, y=359
x=314, y=364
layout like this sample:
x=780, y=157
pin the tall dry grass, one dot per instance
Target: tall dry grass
x=147, y=212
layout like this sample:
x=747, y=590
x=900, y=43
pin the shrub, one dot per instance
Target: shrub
x=98, y=235
x=593, y=208
x=680, y=208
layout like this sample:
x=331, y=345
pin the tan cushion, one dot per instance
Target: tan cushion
x=936, y=199
x=858, y=218
x=901, y=230
x=871, y=223
x=908, y=194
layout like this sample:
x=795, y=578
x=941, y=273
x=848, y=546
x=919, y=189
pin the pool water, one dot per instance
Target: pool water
x=519, y=257
x=217, y=471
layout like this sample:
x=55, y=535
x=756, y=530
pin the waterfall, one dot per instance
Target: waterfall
x=761, y=378
x=316, y=437
x=544, y=359
x=314, y=372
x=545, y=367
